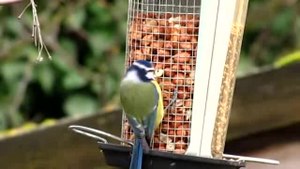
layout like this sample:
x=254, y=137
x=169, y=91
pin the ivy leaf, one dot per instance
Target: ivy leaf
x=79, y=104
x=76, y=20
x=73, y=81
x=100, y=42
x=12, y=71
x=283, y=22
x=45, y=76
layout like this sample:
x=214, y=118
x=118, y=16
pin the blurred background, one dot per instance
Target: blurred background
x=86, y=39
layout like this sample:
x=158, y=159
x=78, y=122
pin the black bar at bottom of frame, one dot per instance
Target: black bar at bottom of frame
x=119, y=156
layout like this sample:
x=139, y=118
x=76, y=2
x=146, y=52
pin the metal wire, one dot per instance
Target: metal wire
x=90, y=132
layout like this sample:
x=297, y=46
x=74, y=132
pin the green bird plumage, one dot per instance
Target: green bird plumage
x=142, y=103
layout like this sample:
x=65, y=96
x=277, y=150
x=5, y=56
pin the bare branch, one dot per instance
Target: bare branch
x=36, y=31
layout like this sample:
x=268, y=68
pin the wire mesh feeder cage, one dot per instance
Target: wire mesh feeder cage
x=166, y=33
x=195, y=47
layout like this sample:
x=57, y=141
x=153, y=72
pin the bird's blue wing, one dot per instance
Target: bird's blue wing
x=138, y=129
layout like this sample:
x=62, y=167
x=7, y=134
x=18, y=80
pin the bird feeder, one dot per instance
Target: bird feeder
x=195, y=46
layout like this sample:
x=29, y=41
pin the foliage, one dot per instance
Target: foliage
x=271, y=30
x=87, y=40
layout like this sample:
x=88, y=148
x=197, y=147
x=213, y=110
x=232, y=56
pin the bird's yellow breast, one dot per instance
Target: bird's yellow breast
x=160, y=106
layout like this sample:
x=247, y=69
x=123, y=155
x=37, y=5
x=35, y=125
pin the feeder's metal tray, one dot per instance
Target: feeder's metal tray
x=119, y=156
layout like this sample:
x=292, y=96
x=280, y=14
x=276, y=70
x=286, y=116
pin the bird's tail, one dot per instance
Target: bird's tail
x=137, y=154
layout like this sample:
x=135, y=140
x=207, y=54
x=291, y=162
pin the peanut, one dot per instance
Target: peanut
x=167, y=85
x=181, y=131
x=148, y=25
x=135, y=35
x=151, y=15
x=147, y=50
x=175, y=38
x=168, y=45
x=180, y=144
x=157, y=45
x=162, y=22
x=162, y=52
x=167, y=118
x=185, y=38
x=179, y=118
x=167, y=95
x=147, y=39
x=178, y=79
x=188, y=103
x=189, y=81
x=137, y=55
x=166, y=103
x=181, y=94
x=168, y=72
x=182, y=57
x=159, y=30
x=186, y=68
x=186, y=45
x=187, y=127
x=171, y=132
x=176, y=67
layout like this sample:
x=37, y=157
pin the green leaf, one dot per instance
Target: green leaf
x=100, y=42
x=78, y=105
x=68, y=46
x=60, y=65
x=76, y=20
x=12, y=71
x=73, y=81
x=96, y=86
x=283, y=22
x=110, y=85
x=45, y=76
x=14, y=26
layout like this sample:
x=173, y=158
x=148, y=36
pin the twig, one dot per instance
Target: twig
x=36, y=31
x=21, y=14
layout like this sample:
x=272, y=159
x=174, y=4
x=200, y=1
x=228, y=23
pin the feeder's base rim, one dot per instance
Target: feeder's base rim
x=119, y=156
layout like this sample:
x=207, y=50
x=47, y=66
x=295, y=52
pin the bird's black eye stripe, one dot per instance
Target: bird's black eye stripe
x=150, y=70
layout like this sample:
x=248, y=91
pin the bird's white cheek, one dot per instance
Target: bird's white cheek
x=150, y=75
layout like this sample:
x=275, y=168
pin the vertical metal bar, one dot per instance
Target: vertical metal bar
x=208, y=21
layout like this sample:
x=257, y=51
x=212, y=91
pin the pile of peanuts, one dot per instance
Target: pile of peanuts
x=169, y=41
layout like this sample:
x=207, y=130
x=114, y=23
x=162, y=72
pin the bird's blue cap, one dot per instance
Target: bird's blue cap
x=142, y=67
x=145, y=63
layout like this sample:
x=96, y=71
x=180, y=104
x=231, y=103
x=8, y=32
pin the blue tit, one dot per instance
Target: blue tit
x=142, y=103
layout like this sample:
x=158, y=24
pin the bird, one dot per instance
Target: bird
x=142, y=102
